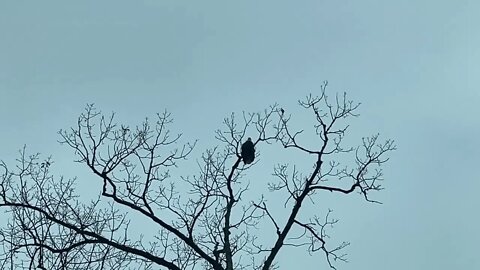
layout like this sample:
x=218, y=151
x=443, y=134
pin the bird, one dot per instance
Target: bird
x=248, y=151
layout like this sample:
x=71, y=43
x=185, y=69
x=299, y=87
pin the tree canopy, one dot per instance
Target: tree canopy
x=204, y=220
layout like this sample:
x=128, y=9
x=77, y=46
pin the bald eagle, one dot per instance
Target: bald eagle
x=248, y=151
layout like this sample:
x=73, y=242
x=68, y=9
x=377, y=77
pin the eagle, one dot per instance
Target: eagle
x=248, y=151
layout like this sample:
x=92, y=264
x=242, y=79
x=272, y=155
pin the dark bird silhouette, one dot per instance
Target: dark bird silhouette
x=248, y=151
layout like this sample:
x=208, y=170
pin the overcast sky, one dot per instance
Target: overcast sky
x=414, y=66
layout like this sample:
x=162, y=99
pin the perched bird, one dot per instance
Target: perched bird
x=248, y=151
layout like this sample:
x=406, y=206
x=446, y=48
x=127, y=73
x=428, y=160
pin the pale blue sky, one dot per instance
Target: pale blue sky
x=414, y=65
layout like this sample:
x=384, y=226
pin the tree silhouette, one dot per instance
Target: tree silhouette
x=202, y=221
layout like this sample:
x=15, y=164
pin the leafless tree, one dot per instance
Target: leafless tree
x=201, y=221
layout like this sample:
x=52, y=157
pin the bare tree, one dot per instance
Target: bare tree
x=203, y=221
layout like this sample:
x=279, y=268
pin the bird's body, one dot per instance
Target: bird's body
x=248, y=151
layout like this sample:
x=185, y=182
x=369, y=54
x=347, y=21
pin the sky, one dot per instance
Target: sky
x=413, y=65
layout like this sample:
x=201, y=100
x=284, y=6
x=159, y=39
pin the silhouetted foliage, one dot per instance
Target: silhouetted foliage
x=204, y=220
